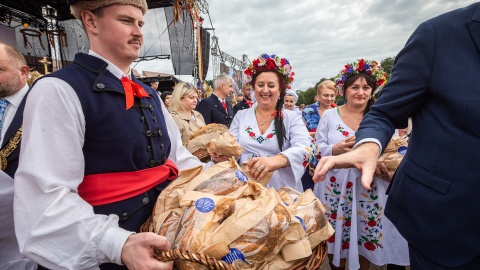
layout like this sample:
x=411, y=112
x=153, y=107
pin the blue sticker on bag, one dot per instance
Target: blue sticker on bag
x=302, y=222
x=402, y=150
x=241, y=176
x=234, y=255
x=205, y=205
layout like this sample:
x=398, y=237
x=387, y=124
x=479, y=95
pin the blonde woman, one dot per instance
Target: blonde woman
x=326, y=93
x=184, y=100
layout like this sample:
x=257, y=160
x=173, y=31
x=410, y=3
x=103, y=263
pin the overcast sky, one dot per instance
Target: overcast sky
x=318, y=37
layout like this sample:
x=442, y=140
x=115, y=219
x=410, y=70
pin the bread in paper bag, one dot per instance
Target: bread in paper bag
x=393, y=154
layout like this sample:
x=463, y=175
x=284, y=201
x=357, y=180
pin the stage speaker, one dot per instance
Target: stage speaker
x=205, y=36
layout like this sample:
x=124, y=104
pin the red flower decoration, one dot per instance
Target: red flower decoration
x=269, y=136
x=331, y=239
x=333, y=215
x=256, y=62
x=305, y=163
x=371, y=223
x=346, y=245
x=270, y=64
x=348, y=223
x=369, y=246
x=345, y=133
x=333, y=179
x=314, y=129
x=349, y=184
x=361, y=64
x=251, y=134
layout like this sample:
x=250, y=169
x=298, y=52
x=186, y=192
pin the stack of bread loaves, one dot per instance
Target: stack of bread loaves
x=223, y=214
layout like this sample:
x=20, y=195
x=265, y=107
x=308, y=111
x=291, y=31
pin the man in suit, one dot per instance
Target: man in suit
x=13, y=90
x=433, y=199
x=215, y=109
x=246, y=102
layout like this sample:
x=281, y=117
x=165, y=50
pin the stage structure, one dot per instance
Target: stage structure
x=46, y=32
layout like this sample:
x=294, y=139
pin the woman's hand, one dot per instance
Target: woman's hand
x=343, y=146
x=216, y=158
x=384, y=173
x=260, y=166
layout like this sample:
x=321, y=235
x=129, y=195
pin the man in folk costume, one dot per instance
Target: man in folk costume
x=98, y=148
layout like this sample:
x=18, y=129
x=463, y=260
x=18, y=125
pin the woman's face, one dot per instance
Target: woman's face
x=289, y=102
x=326, y=97
x=358, y=93
x=167, y=100
x=190, y=101
x=267, y=89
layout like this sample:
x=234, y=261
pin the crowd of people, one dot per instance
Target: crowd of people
x=79, y=141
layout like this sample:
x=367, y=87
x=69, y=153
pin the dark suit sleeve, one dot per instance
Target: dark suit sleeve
x=235, y=109
x=205, y=109
x=406, y=92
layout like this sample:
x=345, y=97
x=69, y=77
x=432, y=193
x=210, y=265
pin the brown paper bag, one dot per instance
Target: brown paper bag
x=390, y=157
x=255, y=231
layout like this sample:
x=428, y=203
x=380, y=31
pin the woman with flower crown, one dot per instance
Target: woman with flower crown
x=274, y=139
x=363, y=235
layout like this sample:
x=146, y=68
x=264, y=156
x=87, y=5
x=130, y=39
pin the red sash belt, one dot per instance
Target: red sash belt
x=105, y=188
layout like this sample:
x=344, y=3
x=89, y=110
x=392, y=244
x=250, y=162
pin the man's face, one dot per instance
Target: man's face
x=154, y=85
x=118, y=35
x=226, y=89
x=13, y=76
x=246, y=93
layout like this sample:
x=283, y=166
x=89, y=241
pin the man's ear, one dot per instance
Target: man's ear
x=24, y=70
x=89, y=20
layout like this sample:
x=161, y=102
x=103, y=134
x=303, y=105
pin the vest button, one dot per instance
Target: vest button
x=145, y=200
x=142, y=119
x=155, y=119
x=162, y=146
x=100, y=85
x=125, y=215
x=149, y=149
x=151, y=163
x=148, y=133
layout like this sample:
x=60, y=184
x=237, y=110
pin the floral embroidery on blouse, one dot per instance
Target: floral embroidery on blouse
x=260, y=139
x=343, y=131
x=333, y=203
x=370, y=236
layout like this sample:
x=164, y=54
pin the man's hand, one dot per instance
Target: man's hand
x=137, y=253
x=364, y=158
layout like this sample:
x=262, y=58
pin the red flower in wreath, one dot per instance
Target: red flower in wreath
x=269, y=136
x=361, y=64
x=372, y=223
x=369, y=246
x=345, y=133
x=251, y=134
x=270, y=64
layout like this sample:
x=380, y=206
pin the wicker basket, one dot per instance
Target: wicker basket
x=313, y=262
x=202, y=153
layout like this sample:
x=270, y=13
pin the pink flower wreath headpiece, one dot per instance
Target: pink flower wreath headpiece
x=370, y=67
x=273, y=62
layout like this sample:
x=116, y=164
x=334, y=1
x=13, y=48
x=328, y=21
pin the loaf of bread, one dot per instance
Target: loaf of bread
x=312, y=216
x=288, y=195
x=262, y=238
x=224, y=182
x=170, y=226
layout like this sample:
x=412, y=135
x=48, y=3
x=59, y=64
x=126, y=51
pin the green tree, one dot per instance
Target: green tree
x=209, y=82
x=387, y=65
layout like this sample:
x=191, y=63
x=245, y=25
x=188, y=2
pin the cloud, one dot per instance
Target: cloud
x=318, y=37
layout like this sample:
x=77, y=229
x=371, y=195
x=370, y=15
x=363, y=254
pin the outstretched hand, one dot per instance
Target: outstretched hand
x=137, y=253
x=364, y=158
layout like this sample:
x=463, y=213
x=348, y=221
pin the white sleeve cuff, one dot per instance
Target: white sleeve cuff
x=112, y=243
x=369, y=140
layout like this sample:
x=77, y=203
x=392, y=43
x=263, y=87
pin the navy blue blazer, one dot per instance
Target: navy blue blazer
x=240, y=106
x=434, y=198
x=213, y=112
